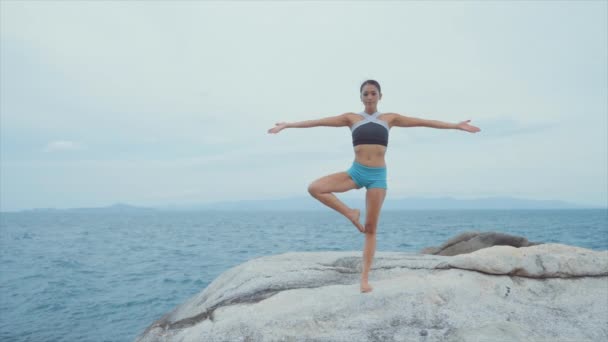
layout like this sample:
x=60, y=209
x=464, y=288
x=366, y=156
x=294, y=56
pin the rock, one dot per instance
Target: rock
x=468, y=242
x=548, y=292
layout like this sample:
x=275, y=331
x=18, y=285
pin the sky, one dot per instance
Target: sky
x=156, y=103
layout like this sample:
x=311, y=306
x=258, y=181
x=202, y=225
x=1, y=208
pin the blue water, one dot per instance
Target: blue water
x=101, y=277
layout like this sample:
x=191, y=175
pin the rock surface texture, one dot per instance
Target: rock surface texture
x=468, y=242
x=544, y=292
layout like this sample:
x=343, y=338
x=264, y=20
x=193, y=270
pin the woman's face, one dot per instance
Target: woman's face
x=370, y=95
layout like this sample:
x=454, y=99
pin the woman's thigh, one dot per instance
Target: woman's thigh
x=374, y=198
x=336, y=182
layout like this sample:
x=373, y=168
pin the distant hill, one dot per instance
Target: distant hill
x=116, y=208
x=310, y=204
x=413, y=203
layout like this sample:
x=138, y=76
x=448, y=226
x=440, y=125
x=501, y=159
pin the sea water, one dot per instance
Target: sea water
x=69, y=276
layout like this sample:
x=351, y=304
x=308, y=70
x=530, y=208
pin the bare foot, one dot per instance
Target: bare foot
x=354, y=218
x=365, y=288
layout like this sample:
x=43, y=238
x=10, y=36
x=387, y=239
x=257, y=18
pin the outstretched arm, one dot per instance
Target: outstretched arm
x=407, y=121
x=332, y=121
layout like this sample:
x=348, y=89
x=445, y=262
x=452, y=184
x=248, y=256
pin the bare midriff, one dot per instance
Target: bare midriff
x=370, y=155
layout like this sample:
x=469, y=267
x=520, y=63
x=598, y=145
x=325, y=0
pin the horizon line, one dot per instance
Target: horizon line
x=188, y=206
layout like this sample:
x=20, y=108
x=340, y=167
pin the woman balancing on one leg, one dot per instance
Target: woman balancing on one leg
x=370, y=138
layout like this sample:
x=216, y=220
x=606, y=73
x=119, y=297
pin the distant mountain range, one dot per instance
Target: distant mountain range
x=414, y=203
x=116, y=208
x=308, y=203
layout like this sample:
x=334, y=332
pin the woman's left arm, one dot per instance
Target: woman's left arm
x=407, y=121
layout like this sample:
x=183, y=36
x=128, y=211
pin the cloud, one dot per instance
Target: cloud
x=187, y=108
x=63, y=145
x=509, y=127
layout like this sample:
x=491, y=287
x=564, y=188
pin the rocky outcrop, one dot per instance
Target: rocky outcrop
x=468, y=242
x=546, y=292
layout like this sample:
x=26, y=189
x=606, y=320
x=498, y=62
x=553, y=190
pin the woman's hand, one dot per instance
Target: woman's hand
x=466, y=127
x=278, y=127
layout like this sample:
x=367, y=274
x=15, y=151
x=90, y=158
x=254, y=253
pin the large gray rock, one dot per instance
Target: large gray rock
x=548, y=292
x=468, y=242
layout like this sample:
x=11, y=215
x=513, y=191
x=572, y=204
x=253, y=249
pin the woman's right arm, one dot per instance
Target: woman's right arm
x=332, y=121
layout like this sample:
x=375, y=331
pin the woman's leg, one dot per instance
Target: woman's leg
x=373, y=202
x=322, y=189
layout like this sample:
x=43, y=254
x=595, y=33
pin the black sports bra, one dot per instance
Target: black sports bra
x=370, y=130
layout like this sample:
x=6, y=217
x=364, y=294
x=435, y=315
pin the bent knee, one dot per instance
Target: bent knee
x=314, y=189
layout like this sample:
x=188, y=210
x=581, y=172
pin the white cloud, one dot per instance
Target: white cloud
x=63, y=145
x=186, y=104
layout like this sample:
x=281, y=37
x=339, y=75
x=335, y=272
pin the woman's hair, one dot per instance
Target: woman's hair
x=372, y=82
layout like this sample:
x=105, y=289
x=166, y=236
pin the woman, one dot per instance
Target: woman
x=370, y=130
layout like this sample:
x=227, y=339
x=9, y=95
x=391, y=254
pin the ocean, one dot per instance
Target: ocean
x=69, y=276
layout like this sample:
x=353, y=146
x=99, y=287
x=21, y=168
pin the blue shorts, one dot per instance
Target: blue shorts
x=369, y=177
